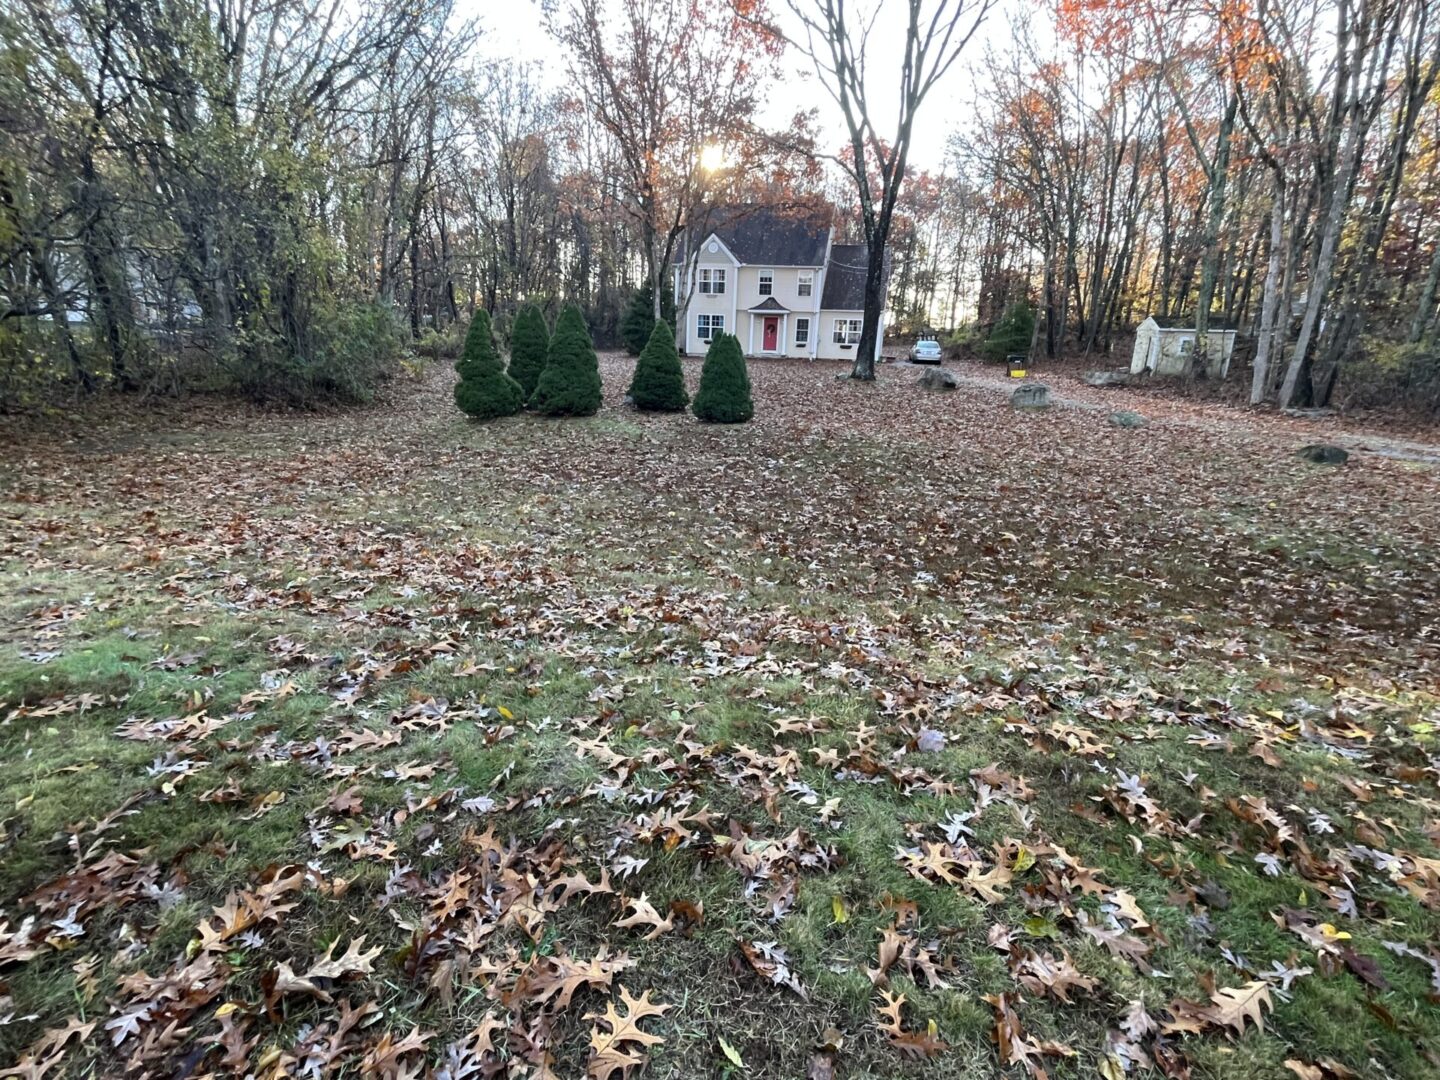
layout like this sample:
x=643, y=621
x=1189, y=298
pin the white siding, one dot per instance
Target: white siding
x=1166, y=351
x=785, y=292
x=828, y=349
x=1144, y=342
x=708, y=303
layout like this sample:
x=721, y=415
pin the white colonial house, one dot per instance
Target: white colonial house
x=779, y=284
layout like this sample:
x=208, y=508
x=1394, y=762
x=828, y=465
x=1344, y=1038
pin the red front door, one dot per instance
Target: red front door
x=772, y=334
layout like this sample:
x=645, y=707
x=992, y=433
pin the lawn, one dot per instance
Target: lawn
x=891, y=734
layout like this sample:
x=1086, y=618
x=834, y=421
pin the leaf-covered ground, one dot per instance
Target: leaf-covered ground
x=892, y=734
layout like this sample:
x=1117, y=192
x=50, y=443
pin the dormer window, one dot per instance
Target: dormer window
x=712, y=281
x=805, y=285
x=767, y=282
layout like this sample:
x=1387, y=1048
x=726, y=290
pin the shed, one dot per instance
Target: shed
x=1163, y=345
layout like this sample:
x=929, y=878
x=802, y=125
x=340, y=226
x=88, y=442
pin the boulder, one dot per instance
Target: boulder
x=1107, y=378
x=1031, y=396
x=1127, y=419
x=1320, y=454
x=937, y=379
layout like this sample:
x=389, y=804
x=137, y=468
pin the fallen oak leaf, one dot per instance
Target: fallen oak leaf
x=1119, y=943
x=610, y=1051
x=1041, y=973
x=283, y=980
x=1233, y=1007
x=383, y=1059
x=987, y=886
x=770, y=962
x=234, y=1040
x=575, y=883
x=645, y=915
x=346, y=803
x=1128, y=907
x=1011, y=1042
x=916, y=1045
x=243, y=910
x=554, y=979
x=1432, y=959
x=889, y=951
x=354, y=961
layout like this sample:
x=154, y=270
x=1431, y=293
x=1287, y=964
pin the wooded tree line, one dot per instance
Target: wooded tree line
x=1272, y=165
x=281, y=197
x=290, y=198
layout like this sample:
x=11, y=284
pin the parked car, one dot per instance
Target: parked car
x=926, y=351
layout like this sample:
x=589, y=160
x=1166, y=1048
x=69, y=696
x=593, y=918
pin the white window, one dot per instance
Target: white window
x=802, y=332
x=707, y=326
x=847, y=332
x=1186, y=344
x=806, y=286
x=712, y=281
x=767, y=282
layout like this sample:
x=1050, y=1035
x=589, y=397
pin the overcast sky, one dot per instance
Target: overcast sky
x=515, y=29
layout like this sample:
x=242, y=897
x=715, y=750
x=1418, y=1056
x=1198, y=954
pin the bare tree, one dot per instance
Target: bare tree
x=671, y=81
x=836, y=37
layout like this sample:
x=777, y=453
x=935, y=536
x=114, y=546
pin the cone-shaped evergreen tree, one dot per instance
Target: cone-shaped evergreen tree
x=639, y=318
x=1012, y=334
x=484, y=390
x=724, y=396
x=529, y=344
x=570, y=383
x=659, y=382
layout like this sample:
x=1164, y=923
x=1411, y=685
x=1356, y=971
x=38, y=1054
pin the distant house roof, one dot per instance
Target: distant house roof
x=1187, y=322
x=770, y=304
x=845, y=278
x=761, y=237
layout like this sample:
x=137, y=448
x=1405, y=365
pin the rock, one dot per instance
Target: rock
x=1320, y=454
x=1127, y=419
x=1031, y=396
x=937, y=379
x=1213, y=895
x=1309, y=414
x=1107, y=378
x=930, y=741
x=629, y=400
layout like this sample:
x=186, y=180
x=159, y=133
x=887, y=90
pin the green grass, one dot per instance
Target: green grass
x=671, y=592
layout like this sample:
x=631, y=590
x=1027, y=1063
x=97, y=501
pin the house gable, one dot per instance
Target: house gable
x=714, y=249
x=765, y=238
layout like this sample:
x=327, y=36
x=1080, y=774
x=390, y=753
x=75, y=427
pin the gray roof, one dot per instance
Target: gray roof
x=761, y=237
x=845, y=278
x=770, y=304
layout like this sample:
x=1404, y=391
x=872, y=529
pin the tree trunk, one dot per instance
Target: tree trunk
x=1323, y=270
x=1425, y=307
x=1219, y=174
x=1260, y=377
x=864, y=368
